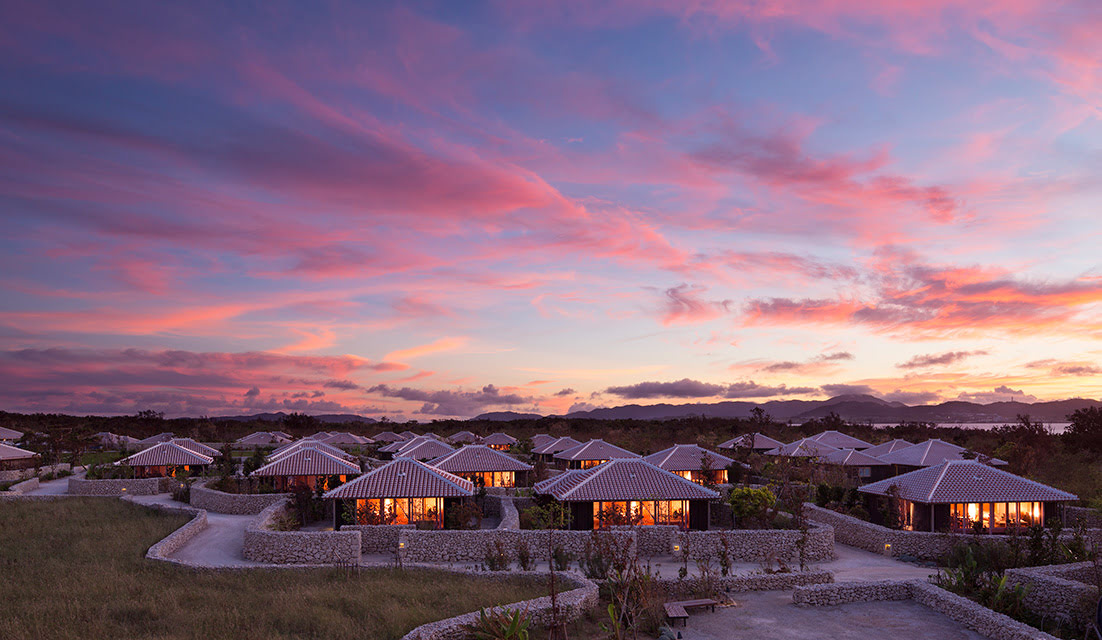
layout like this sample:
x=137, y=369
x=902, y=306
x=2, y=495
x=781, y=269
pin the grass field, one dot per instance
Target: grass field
x=75, y=569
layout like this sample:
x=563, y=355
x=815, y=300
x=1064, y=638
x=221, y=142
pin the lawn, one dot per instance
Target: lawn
x=74, y=568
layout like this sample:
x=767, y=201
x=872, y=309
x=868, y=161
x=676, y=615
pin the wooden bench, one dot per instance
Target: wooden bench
x=680, y=610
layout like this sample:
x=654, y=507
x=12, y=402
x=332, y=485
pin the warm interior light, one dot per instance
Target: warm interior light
x=973, y=511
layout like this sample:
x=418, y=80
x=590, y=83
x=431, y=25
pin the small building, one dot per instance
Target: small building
x=547, y=451
x=419, y=448
x=463, y=437
x=157, y=439
x=541, y=439
x=839, y=440
x=197, y=447
x=108, y=440
x=313, y=444
x=319, y=436
x=387, y=436
x=166, y=459
x=591, y=454
x=308, y=467
x=756, y=442
x=965, y=496
x=482, y=465
x=408, y=435
x=499, y=441
x=805, y=448
x=932, y=452
x=9, y=435
x=263, y=439
x=629, y=491
x=403, y=491
x=885, y=448
x=693, y=463
x=14, y=458
x=344, y=438
x=859, y=465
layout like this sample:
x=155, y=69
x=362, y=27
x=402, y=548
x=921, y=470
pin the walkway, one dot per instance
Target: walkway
x=219, y=545
x=54, y=487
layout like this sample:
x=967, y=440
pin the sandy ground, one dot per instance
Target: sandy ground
x=770, y=615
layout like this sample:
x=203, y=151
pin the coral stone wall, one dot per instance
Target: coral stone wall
x=132, y=487
x=471, y=546
x=1090, y=518
x=1067, y=592
x=25, y=486
x=176, y=540
x=962, y=610
x=203, y=497
x=298, y=547
x=7, y=475
x=751, y=545
x=745, y=582
x=571, y=604
x=378, y=538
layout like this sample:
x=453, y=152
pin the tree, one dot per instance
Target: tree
x=1085, y=430
x=751, y=505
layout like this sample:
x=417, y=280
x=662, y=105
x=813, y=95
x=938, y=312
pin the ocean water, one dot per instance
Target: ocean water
x=1056, y=427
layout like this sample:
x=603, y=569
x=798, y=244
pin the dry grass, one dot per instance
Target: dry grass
x=75, y=568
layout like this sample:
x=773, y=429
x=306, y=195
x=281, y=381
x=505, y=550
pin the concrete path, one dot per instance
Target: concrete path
x=54, y=487
x=219, y=545
x=770, y=615
x=858, y=565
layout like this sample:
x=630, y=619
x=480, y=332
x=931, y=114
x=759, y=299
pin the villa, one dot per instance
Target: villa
x=499, y=441
x=420, y=448
x=404, y=491
x=14, y=458
x=693, y=463
x=310, y=467
x=108, y=440
x=805, y=448
x=312, y=444
x=157, y=439
x=858, y=464
x=933, y=452
x=547, y=450
x=591, y=454
x=9, y=435
x=463, y=437
x=629, y=491
x=482, y=465
x=387, y=436
x=347, y=439
x=541, y=439
x=165, y=460
x=839, y=440
x=966, y=496
x=756, y=442
x=197, y=447
x=263, y=438
x=885, y=448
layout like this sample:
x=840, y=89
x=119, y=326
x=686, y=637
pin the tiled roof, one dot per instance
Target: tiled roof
x=160, y=437
x=387, y=436
x=426, y=449
x=308, y=461
x=462, y=437
x=344, y=437
x=10, y=434
x=477, y=457
x=687, y=457
x=557, y=445
x=624, y=479
x=313, y=444
x=401, y=445
x=165, y=454
x=931, y=452
x=404, y=478
x=562, y=481
x=321, y=435
x=839, y=440
x=8, y=452
x=752, y=441
x=264, y=437
x=966, y=481
x=197, y=447
x=887, y=447
x=541, y=439
x=852, y=458
x=499, y=439
x=596, y=450
x=408, y=435
x=108, y=439
x=806, y=448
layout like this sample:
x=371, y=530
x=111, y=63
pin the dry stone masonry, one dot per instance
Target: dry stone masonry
x=203, y=497
x=262, y=544
x=1065, y=592
x=131, y=487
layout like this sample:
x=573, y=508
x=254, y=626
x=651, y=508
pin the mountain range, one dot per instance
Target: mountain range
x=854, y=408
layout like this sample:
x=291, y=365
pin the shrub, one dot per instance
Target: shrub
x=750, y=506
x=561, y=558
x=496, y=559
x=500, y=624
x=466, y=515
x=524, y=555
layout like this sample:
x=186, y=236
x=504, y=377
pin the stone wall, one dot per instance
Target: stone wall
x=752, y=545
x=921, y=545
x=25, y=486
x=471, y=546
x=1090, y=518
x=1066, y=592
x=176, y=540
x=203, y=497
x=572, y=605
x=745, y=582
x=132, y=487
x=262, y=544
x=962, y=610
x=7, y=475
x=510, y=517
x=378, y=538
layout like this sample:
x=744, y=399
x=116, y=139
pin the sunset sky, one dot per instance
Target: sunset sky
x=442, y=209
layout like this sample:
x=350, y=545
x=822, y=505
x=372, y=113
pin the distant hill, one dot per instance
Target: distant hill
x=328, y=418
x=855, y=408
x=506, y=416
